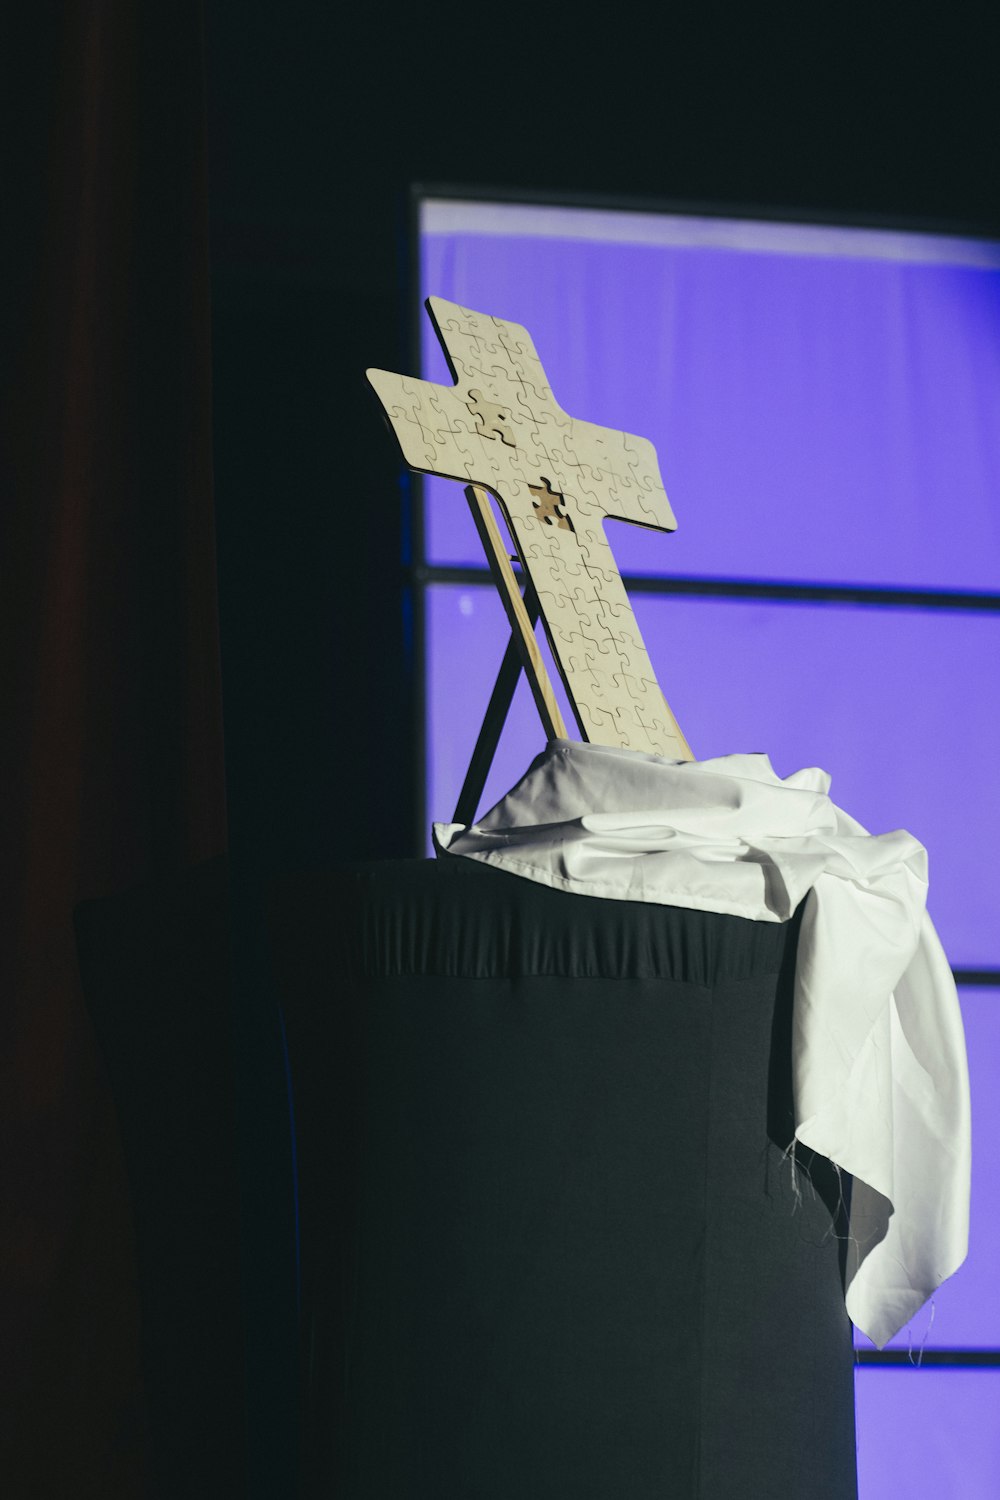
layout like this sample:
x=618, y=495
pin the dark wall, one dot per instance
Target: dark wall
x=319, y=121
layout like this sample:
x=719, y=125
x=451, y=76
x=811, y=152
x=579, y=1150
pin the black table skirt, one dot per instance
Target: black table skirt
x=551, y=1242
x=155, y=966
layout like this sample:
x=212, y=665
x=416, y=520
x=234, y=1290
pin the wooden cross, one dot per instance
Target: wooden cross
x=500, y=429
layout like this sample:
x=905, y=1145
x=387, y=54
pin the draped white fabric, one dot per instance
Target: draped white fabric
x=878, y=1056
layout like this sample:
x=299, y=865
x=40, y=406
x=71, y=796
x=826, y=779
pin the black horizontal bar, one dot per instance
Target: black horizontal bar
x=815, y=593
x=762, y=588
x=984, y=978
x=967, y=1359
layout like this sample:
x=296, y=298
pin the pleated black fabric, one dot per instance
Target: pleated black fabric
x=458, y=917
x=552, y=1246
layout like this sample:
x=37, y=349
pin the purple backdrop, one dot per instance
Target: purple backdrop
x=867, y=693
x=926, y=1434
x=965, y=1312
x=818, y=417
x=826, y=407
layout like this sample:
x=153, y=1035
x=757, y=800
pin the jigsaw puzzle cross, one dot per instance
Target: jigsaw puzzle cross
x=556, y=478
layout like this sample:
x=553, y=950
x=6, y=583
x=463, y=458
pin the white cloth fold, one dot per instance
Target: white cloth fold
x=879, y=1070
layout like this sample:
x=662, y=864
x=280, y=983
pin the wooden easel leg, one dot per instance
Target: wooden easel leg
x=522, y=630
x=522, y=651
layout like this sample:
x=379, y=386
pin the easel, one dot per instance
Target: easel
x=500, y=430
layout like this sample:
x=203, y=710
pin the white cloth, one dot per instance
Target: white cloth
x=879, y=1069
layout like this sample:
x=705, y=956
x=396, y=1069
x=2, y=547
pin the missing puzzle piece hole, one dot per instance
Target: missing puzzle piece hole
x=550, y=505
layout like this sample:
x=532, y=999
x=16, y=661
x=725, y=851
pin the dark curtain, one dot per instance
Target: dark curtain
x=112, y=742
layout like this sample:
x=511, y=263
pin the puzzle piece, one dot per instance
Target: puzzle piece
x=556, y=478
x=493, y=419
x=634, y=686
x=581, y=664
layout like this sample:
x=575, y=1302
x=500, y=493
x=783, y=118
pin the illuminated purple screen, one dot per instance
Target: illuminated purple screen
x=826, y=407
x=809, y=684
x=965, y=1312
x=824, y=402
x=927, y=1434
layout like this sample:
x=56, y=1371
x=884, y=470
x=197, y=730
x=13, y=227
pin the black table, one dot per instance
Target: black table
x=551, y=1242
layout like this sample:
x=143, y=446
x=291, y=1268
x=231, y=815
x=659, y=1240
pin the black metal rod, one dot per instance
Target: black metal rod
x=494, y=720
